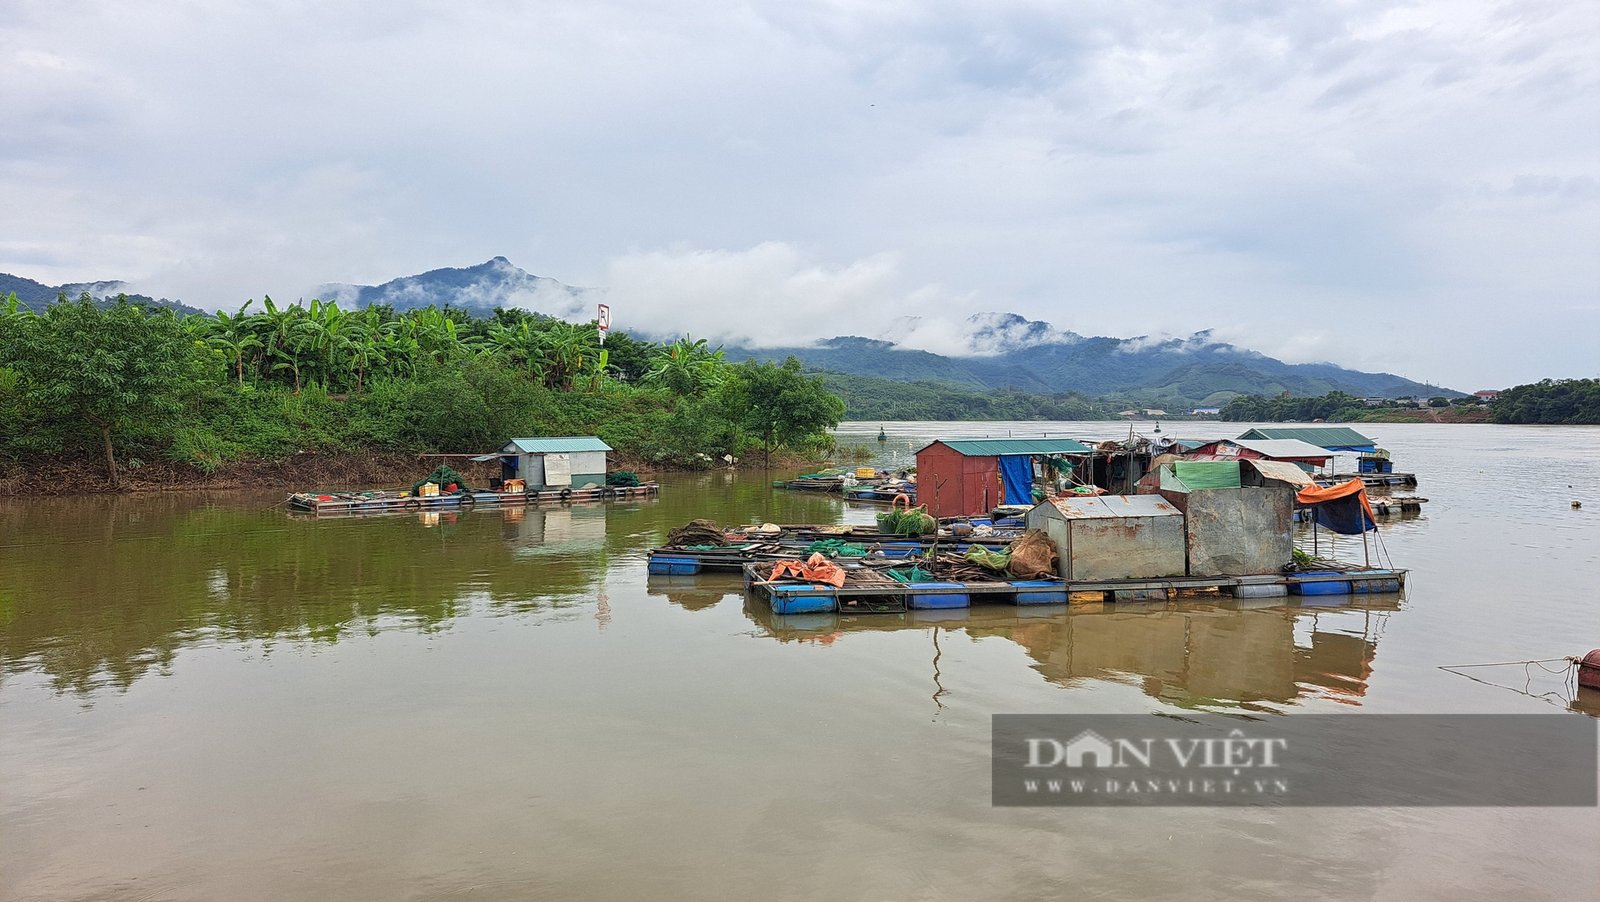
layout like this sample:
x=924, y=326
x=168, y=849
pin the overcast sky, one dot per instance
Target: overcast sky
x=1408, y=187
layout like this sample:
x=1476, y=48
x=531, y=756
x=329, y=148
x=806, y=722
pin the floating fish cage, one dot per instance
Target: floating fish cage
x=670, y=560
x=881, y=596
x=384, y=502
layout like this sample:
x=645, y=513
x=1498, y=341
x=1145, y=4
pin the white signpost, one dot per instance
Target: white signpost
x=603, y=321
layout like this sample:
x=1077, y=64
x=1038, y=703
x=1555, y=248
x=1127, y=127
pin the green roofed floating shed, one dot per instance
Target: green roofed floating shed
x=560, y=462
x=1333, y=438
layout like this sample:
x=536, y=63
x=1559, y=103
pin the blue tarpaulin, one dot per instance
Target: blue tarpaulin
x=1016, y=472
x=1345, y=516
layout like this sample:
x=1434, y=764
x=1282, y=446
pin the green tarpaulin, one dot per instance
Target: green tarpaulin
x=1207, y=474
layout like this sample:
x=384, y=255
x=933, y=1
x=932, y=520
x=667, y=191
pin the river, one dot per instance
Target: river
x=207, y=697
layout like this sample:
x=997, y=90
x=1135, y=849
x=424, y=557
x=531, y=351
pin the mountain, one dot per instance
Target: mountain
x=1010, y=352
x=479, y=289
x=38, y=295
x=997, y=351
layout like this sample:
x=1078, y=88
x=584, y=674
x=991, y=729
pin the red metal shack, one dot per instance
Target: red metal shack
x=961, y=477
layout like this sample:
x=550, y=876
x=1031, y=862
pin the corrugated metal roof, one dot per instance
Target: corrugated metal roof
x=1333, y=438
x=993, y=447
x=559, y=444
x=1281, y=470
x=1100, y=507
x=1282, y=447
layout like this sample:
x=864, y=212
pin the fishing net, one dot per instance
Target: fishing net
x=837, y=548
x=623, y=478
x=912, y=574
x=697, y=532
x=442, y=476
x=913, y=522
x=1033, y=556
x=997, y=561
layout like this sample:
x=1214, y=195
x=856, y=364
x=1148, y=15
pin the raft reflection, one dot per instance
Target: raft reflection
x=1229, y=654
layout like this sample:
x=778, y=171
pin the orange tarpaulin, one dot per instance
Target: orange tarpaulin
x=817, y=569
x=1314, y=494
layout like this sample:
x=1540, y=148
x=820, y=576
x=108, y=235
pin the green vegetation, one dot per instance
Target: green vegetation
x=80, y=379
x=866, y=398
x=1571, y=402
x=1333, y=407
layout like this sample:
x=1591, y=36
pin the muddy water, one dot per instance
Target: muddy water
x=209, y=698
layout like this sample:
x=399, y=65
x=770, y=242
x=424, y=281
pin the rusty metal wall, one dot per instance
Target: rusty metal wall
x=1124, y=548
x=1234, y=532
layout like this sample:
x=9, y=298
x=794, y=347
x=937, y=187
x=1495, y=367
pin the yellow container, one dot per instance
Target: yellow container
x=516, y=486
x=865, y=472
x=428, y=490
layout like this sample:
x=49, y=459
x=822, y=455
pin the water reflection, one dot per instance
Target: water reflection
x=1247, y=656
x=140, y=579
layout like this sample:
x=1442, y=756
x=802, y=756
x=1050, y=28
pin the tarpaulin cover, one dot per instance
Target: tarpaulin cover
x=1016, y=471
x=1342, y=508
x=817, y=569
x=1207, y=474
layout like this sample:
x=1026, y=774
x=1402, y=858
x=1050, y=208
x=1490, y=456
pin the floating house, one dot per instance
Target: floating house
x=1288, y=450
x=565, y=462
x=970, y=477
x=1113, y=536
x=1332, y=438
x=1238, y=515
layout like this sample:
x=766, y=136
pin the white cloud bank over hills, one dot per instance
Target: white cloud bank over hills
x=1290, y=173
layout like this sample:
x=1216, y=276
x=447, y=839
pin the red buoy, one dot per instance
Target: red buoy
x=1589, y=670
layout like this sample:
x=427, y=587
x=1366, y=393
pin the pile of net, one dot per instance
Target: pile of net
x=913, y=522
x=697, y=532
x=623, y=479
x=1033, y=556
x=837, y=548
x=911, y=574
x=443, y=477
x=998, y=561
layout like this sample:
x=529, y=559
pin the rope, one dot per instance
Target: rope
x=1569, y=682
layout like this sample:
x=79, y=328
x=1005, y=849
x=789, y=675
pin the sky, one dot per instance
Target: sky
x=1404, y=187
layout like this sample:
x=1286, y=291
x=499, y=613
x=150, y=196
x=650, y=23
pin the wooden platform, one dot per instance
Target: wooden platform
x=875, y=595
x=380, y=502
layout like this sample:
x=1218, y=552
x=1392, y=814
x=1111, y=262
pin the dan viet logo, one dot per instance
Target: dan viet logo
x=1236, y=751
x=1226, y=765
x=1197, y=758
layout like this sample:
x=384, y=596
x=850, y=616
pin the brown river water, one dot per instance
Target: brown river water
x=210, y=698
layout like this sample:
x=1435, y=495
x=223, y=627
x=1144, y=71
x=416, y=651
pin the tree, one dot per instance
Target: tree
x=108, y=369
x=687, y=367
x=780, y=403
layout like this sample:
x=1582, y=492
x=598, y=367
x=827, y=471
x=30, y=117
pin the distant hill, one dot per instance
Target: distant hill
x=1003, y=351
x=38, y=295
x=1034, y=357
x=479, y=289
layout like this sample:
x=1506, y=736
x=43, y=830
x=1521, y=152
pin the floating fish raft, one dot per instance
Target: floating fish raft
x=1381, y=506
x=751, y=545
x=377, y=501
x=868, y=591
x=1371, y=480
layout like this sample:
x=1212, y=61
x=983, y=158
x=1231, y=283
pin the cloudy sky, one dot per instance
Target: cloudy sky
x=1409, y=187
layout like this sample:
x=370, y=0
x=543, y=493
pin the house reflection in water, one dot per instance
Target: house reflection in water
x=1200, y=656
x=554, y=530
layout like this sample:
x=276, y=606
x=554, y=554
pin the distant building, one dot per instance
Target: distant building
x=1486, y=395
x=1205, y=411
x=1374, y=402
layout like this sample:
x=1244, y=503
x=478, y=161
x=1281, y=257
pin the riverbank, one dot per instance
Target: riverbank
x=1426, y=415
x=302, y=472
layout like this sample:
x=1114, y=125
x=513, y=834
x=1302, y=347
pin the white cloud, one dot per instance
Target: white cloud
x=1280, y=171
